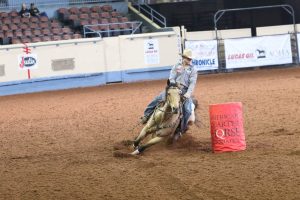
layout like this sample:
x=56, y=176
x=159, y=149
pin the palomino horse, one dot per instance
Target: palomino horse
x=163, y=122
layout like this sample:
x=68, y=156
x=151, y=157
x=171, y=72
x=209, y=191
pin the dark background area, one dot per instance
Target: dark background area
x=198, y=15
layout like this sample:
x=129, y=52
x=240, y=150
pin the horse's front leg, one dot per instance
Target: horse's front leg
x=151, y=142
x=145, y=131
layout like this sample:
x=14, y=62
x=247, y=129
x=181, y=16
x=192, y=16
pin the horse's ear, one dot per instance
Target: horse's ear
x=168, y=82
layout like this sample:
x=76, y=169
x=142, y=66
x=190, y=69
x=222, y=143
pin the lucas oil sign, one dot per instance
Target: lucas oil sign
x=258, y=51
x=27, y=61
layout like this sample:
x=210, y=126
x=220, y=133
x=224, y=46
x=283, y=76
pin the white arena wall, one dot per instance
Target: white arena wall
x=89, y=62
x=99, y=61
x=223, y=34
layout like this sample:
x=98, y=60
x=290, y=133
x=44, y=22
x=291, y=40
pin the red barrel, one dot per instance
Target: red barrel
x=226, y=127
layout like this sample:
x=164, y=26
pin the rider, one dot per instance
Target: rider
x=184, y=75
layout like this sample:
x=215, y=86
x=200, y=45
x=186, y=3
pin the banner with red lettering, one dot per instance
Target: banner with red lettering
x=258, y=51
x=205, y=54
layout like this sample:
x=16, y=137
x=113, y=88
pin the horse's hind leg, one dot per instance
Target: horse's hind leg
x=151, y=142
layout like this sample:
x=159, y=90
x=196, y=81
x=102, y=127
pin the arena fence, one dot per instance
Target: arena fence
x=293, y=36
x=244, y=52
x=87, y=62
x=127, y=28
x=127, y=58
x=226, y=50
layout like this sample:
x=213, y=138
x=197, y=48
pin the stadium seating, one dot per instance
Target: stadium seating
x=14, y=29
x=68, y=24
x=107, y=19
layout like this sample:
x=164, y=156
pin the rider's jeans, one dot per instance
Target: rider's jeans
x=187, y=111
x=150, y=108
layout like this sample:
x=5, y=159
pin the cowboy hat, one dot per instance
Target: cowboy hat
x=187, y=53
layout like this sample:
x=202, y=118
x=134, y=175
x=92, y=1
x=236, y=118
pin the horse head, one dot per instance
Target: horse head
x=173, y=98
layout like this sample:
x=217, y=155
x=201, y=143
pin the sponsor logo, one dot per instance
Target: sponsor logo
x=239, y=56
x=204, y=62
x=280, y=53
x=260, y=53
x=27, y=61
x=150, y=45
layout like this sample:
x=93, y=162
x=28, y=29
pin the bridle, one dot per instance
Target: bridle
x=158, y=108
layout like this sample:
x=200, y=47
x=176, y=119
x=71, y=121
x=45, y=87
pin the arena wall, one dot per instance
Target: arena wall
x=99, y=61
x=223, y=34
x=282, y=29
x=87, y=62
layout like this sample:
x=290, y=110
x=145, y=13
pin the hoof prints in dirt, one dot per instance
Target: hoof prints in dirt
x=190, y=144
x=123, y=149
x=121, y=154
x=123, y=144
x=295, y=153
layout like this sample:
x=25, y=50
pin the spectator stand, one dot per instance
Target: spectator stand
x=14, y=29
x=95, y=21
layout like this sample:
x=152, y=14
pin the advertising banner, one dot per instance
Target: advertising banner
x=205, y=54
x=258, y=51
x=151, y=52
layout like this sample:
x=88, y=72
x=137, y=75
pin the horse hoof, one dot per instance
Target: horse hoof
x=135, y=145
x=136, y=152
x=177, y=136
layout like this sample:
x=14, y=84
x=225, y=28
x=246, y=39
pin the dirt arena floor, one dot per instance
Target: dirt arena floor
x=60, y=145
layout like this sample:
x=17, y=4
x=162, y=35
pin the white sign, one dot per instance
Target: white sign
x=298, y=40
x=205, y=54
x=258, y=51
x=151, y=52
x=27, y=61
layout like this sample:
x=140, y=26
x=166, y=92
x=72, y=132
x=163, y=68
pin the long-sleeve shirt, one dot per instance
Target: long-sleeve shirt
x=185, y=76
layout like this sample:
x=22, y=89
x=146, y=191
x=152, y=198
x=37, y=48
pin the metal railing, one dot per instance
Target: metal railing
x=289, y=9
x=91, y=30
x=16, y=4
x=152, y=14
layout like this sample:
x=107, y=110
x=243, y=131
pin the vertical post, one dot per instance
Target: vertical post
x=216, y=37
x=297, y=47
x=296, y=36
